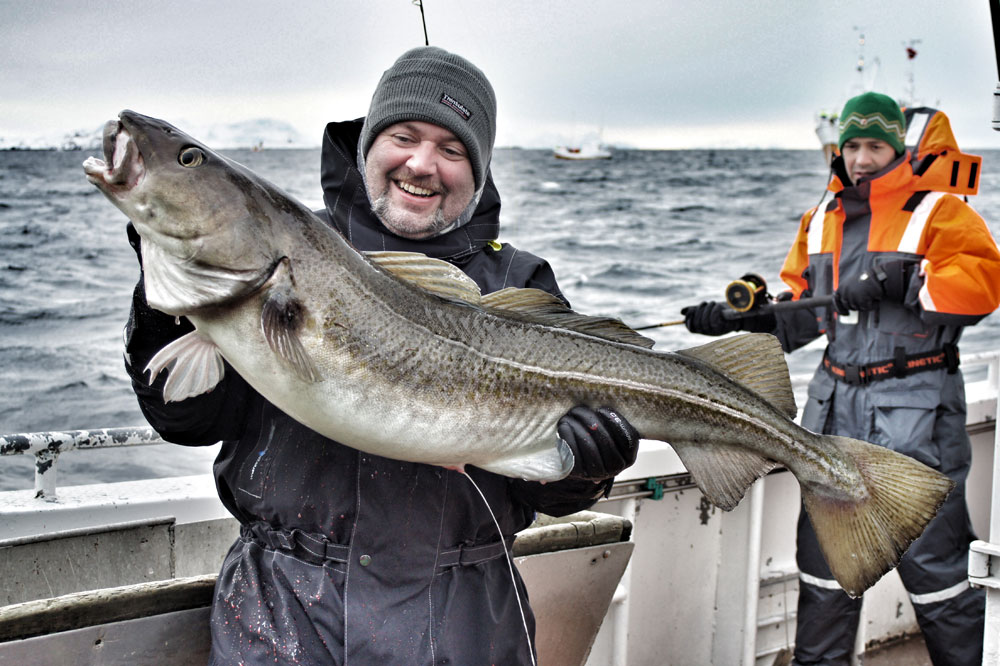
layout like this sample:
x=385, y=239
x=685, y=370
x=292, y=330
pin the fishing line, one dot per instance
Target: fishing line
x=510, y=566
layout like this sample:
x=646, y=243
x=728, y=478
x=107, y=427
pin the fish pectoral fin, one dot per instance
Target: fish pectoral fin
x=544, y=308
x=863, y=538
x=433, y=275
x=281, y=319
x=194, y=366
x=723, y=473
x=549, y=464
x=757, y=361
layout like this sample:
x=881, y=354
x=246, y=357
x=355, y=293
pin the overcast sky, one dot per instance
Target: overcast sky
x=649, y=73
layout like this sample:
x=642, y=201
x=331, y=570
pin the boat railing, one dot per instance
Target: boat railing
x=46, y=447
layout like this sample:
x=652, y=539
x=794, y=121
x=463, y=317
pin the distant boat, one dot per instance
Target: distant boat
x=592, y=152
x=828, y=122
x=828, y=131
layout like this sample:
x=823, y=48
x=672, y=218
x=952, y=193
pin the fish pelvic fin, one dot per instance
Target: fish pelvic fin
x=194, y=366
x=723, y=473
x=757, y=361
x=549, y=464
x=862, y=540
x=282, y=319
x=542, y=307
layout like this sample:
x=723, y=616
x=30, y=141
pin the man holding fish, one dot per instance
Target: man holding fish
x=348, y=557
x=348, y=553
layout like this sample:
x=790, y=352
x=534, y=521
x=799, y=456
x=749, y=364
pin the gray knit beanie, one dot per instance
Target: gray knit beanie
x=430, y=84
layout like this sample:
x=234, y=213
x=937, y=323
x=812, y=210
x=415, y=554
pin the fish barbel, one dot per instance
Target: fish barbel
x=400, y=356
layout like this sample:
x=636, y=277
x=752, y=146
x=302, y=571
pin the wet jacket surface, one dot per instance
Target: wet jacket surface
x=907, y=211
x=346, y=557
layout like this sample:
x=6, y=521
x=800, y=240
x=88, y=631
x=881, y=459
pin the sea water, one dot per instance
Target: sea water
x=636, y=237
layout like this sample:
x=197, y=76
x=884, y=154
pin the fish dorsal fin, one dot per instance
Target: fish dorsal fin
x=544, y=308
x=755, y=360
x=433, y=275
x=529, y=301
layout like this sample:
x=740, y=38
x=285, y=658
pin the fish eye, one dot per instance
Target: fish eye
x=191, y=157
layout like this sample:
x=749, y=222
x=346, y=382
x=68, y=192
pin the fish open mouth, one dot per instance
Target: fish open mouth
x=122, y=167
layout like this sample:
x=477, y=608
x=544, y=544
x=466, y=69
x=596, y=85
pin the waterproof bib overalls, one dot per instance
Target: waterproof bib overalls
x=890, y=375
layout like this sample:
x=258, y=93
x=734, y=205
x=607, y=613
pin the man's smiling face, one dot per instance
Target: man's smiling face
x=419, y=178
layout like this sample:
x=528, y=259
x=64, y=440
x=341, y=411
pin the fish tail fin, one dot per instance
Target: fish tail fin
x=863, y=539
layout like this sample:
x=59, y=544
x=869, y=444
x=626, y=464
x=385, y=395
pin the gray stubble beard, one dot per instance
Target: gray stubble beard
x=382, y=210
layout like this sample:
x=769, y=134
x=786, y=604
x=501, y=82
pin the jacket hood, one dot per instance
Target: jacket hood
x=346, y=199
x=933, y=159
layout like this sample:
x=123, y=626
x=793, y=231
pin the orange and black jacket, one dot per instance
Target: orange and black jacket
x=913, y=210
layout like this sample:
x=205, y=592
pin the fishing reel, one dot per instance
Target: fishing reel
x=748, y=293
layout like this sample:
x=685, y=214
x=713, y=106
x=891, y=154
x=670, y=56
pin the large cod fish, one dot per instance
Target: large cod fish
x=399, y=355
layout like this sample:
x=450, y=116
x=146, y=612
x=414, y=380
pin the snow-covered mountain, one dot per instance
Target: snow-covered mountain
x=256, y=133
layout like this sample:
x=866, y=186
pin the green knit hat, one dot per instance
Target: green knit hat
x=873, y=116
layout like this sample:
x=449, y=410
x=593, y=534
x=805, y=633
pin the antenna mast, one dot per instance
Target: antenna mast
x=910, y=96
x=995, y=16
x=420, y=3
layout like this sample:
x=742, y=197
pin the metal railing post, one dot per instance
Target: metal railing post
x=45, y=474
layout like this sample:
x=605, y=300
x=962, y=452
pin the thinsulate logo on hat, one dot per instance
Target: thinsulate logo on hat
x=455, y=106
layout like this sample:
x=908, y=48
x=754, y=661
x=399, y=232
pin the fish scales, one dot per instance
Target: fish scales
x=400, y=356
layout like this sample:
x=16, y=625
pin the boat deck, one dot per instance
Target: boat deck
x=909, y=652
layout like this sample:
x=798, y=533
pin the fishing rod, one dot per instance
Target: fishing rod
x=420, y=3
x=748, y=297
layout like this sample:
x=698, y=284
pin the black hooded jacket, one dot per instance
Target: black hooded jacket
x=347, y=557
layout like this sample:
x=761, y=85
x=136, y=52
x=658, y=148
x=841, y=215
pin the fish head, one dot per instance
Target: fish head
x=206, y=222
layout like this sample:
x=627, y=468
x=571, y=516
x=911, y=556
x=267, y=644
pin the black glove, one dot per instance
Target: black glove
x=889, y=281
x=707, y=318
x=603, y=442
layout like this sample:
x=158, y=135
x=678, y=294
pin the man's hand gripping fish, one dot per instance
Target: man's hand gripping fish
x=400, y=356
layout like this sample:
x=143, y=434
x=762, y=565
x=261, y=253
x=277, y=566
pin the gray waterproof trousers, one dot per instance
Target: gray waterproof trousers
x=928, y=425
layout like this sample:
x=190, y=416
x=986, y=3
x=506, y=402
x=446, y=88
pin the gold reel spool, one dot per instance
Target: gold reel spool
x=747, y=293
